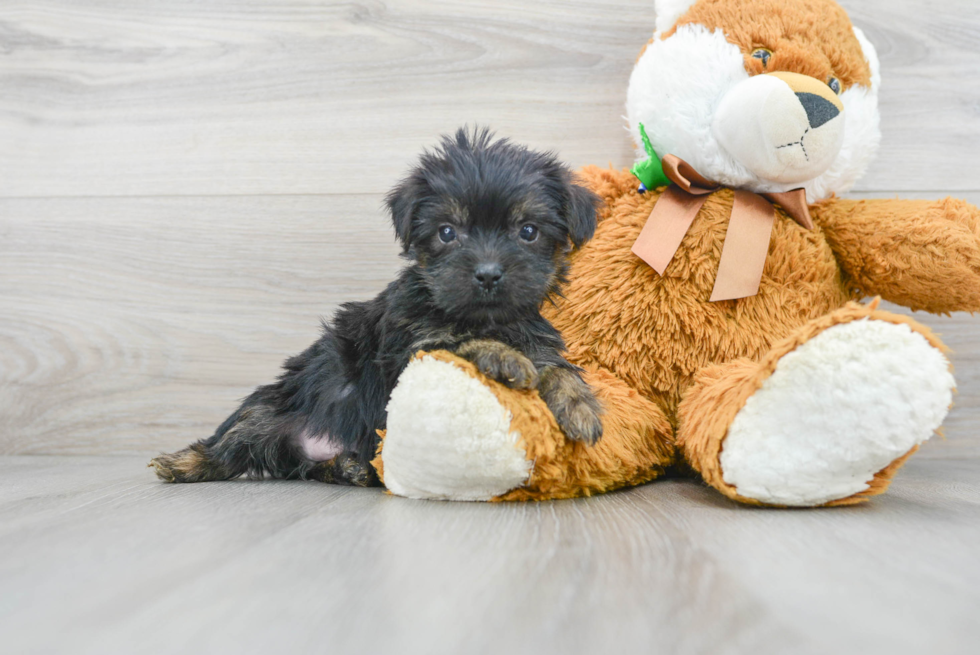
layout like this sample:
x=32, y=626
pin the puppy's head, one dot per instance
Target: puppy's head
x=490, y=224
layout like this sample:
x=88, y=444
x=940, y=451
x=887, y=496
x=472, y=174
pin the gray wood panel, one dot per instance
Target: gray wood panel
x=186, y=187
x=98, y=557
x=133, y=325
x=177, y=98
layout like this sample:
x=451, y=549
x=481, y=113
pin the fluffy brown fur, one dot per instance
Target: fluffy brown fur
x=917, y=253
x=813, y=39
x=659, y=332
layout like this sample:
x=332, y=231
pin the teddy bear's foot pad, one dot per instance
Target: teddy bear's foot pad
x=837, y=410
x=448, y=437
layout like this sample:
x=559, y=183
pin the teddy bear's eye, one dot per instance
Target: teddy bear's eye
x=834, y=85
x=763, y=55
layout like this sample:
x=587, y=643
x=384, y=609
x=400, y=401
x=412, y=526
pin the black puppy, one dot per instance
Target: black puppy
x=488, y=226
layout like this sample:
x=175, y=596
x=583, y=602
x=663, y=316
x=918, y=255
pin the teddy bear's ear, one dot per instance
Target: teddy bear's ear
x=668, y=11
x=871, y=55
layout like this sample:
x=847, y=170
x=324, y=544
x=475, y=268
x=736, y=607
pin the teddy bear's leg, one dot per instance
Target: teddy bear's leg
x=826, y=418
x=454, y=434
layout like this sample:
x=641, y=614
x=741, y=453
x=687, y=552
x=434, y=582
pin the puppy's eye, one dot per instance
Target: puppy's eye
x=762, y=55
x=447, y=234
x=834, y=85
x=529, y=233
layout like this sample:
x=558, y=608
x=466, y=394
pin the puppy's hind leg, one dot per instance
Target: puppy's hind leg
x=192, y=464
x=346, y=469
x=253, y=440
x=327, y=459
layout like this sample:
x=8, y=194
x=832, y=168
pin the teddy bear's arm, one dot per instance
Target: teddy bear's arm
x=923, y=254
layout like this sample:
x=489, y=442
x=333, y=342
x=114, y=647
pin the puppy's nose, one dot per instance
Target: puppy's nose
x=818, y=110
x=488, y=275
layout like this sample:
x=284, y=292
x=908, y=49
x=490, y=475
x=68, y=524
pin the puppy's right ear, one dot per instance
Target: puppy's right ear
x=580, y=213
x=403, y=203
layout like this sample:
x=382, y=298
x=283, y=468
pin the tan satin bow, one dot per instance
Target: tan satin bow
x=743, y=255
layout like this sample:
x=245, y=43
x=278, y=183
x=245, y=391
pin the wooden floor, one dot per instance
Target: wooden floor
x=185, y=188
x=96, y=557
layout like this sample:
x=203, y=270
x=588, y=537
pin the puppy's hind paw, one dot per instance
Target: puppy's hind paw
x=188, y=465
x=164, y=468
x=500, y=362
x=344, y=469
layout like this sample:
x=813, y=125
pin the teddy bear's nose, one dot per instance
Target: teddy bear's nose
x=818, y=109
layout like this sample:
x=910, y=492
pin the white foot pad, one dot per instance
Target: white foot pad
x=837, y=410
x=449, y=437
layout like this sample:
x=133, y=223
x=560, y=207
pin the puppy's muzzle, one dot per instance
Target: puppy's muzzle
x=488, y=275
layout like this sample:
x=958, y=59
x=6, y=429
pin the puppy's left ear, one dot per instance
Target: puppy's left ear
x=403, y=203
x=580, y=213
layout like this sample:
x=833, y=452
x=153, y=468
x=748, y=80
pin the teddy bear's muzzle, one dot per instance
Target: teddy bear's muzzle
x=783, y=127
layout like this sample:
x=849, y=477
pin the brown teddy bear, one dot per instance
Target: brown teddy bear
x=715, y=313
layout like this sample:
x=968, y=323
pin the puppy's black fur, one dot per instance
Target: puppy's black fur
x=487, y=226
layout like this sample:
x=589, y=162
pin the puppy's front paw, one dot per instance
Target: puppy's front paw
x=580, y=421
x=570, y=400
x=500, y=362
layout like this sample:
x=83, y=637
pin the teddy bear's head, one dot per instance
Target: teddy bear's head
x=759, y=95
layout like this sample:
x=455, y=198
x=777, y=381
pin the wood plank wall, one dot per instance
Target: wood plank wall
x=186, y=187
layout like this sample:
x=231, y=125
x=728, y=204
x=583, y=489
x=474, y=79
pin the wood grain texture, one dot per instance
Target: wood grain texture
x=230, y=97
x=98, y=557
x=133, y=325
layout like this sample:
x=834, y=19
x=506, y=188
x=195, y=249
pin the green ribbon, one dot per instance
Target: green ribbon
x=649, y=172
